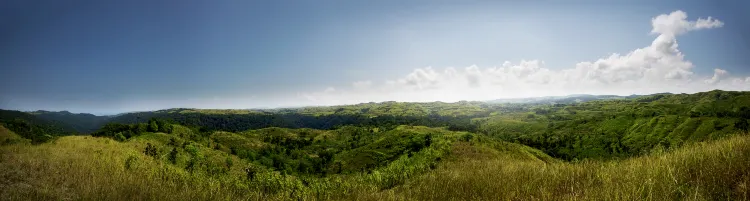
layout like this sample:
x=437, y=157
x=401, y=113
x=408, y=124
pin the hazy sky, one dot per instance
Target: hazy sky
x=106, y=57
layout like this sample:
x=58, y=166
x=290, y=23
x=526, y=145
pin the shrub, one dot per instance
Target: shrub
x=119, y=137
x=130, y=162
x=151, y=150
x=173, y=155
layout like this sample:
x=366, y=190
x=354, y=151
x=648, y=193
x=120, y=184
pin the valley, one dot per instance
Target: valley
x=652, y=147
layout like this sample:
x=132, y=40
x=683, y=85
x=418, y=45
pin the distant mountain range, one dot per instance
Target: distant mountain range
x=87, y=123
x=80, y=122
x=575, y=98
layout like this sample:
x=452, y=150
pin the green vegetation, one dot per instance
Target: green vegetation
x=623, y=128
x=657, y=147
x=9, y=137
x=703, y=171
x=30, y=127
x=82, y=123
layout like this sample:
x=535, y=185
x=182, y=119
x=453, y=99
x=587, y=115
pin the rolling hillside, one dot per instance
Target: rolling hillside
x=656, y=147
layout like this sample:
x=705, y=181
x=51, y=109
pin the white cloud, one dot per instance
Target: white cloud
x=425, y=78
x=719, y=74
x=473, y=76
x=676, y=23
x=658, y=67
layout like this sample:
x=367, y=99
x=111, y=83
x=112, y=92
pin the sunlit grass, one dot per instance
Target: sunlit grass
x=703, y=171
x=89, y=168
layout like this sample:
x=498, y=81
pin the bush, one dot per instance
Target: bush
x=151, y=151
x=119, y=137
x=467, y=137
x=173, y=155
x=130, y=162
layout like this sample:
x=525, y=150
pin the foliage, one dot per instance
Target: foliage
x=481, y=168
x=657, y=147
x=30, y=127
x=81, y=123
x=151, y=151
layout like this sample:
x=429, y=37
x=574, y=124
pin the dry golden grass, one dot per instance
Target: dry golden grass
x=88, y=168
x=9, y=137
x=704, y=171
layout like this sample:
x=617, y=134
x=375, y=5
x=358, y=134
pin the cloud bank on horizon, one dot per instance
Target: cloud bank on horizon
x=658, y=67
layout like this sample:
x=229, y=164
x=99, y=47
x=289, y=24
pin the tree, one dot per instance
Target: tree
x=151, y=150
x=744, y=112
x=163, y=126
x=119, y=137
x=152, y=126
x=742, y=125
x=428, y=140
x=140, y=128
x=173, y=155
x=250, y=172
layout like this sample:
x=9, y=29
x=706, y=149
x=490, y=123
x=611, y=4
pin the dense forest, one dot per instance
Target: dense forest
x=393, y=150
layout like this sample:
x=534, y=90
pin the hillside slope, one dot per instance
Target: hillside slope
x=81, y=122
x=33, y=128
x=91, y=168
x=703, y=171
x=161, y=166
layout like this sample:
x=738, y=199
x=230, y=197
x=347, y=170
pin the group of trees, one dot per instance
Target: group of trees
x=568, y=131
x=243, y=122
x=31, y=127
x=623, y=128
x=122, y=132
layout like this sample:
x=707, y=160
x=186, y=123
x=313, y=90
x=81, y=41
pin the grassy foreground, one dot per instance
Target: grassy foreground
x=90, y=168
x=718, y=170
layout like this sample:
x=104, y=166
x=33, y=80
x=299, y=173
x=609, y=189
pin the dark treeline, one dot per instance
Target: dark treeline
x=80, y=122
x=30, y=127
x=243, y=122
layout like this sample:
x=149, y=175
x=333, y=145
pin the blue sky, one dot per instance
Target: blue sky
x=106, y=57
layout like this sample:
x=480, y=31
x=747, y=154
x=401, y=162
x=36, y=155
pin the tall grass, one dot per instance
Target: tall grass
x=88, y=168
x=717, y=170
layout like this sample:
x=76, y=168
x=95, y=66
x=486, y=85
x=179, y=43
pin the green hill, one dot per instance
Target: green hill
x=655, y=147
x=702, y=171
x=33, y=128
x=224, y=165
x=463, y=166
x=622, y=128
x=9, y=137
x=81, y=122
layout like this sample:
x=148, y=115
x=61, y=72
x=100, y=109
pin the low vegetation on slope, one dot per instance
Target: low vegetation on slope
x=702, y=171
x=33, y=128
x=459, y=167
x=622, y=128
x=8, y=137
x=657, y=147
x=603, y=129
x=161, y=166
x=81, y=122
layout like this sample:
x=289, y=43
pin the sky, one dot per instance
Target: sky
x=108, y=57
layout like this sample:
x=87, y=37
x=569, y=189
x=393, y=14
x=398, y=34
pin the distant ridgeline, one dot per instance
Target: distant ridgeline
x=32, y=127
x=82, y=122
x=572, y=127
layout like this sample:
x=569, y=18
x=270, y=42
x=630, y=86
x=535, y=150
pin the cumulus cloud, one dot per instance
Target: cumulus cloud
x=719, y=74
x=676, y=23
x=658, y=67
